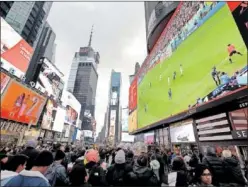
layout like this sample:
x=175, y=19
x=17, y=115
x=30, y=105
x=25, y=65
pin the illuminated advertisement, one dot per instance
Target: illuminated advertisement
x=124, y=116
x=112, y=123
x=15, y=51
x=78, y=136
x=4, y=81
x=87, y=133
x=132, y=121
x=48, y=115
x=50, y=80
x=149, y=137
x=21, y=104
x=125, y=137
x=182, y=133
x=212, y=66
x=58, y=123
x=73, y=108
x=133, y=95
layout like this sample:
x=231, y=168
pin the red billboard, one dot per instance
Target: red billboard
x=133, y=95
x=15, y=51
x=21, y=104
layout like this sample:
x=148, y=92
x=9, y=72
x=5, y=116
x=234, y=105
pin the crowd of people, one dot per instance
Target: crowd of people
x=66, y=166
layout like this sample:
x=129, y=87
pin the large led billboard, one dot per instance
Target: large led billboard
x=132, y=121
x=73, y=108
x=15, y=51
x=49, y=115
x=133, y=95
x=199, y=57
x=58, y=123
x=112, y=123
x=50, y=80
x=4, y=81
x=19, y=103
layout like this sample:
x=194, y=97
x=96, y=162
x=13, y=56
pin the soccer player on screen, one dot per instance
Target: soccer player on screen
x=170, y=94
x=181, y=69
x=232, y=50
x=174, y=75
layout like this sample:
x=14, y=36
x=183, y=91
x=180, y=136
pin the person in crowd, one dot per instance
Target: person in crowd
x=31, y=152
x=194, y=161
x=233, y=171
x=203, y=176
x=56, y=174
x=14, y=166
x=73, y=161
x=163, y=175
x=216, y=166
x=186, y=159
x=78, y=176
x=142, y=175
x=35, y=177
x=80, y=155
x=4, y=159
x=180, y=172
x=155, y=166
x=116, y=173
x=130, y=158
x=96, y=172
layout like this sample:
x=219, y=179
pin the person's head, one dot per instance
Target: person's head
x=78, y=175
x=31, y=144
x=120, y=157
x=59, y=156
x=43, y=161
x=211, y=151
x=157, y=150
x=67, y=149
x=17, y=163
x=142, y=160
x=203, y=175
x=92, y=156
x=62, y=148
x=226, y=153
x=229, y=45
x=178, y=164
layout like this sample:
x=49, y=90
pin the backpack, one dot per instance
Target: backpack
x=51, y=174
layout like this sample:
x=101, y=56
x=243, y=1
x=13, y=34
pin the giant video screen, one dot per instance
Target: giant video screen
x=201, y=56
x=21, y=104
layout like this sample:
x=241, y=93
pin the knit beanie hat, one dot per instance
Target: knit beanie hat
x=60, y=155
x=120, y=157
x=92, y=156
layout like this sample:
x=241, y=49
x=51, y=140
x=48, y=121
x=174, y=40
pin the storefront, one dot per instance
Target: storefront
x=149, y=137
x=225, y=131
x=182, y=137
x=11, y=132
x=162, y=138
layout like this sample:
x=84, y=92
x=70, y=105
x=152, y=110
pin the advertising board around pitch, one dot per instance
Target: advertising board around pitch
x=21, y=104
x=16, y=53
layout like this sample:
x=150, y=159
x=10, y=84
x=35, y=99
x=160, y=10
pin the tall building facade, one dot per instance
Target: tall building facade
x=44, y=49
x=82, y=82
x=114, y=109
x=26, y=17
x=157, y=15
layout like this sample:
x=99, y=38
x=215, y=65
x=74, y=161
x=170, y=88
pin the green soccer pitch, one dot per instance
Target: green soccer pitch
x=198, y=54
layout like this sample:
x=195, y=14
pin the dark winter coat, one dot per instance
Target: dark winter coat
x=142, y=176
x=32, y=153
x=96, y=174
x=233, y=171
x=117, y=174
x=179, y=166
x=217, y=168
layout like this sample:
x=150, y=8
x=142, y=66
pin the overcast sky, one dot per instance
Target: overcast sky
x=119, y=36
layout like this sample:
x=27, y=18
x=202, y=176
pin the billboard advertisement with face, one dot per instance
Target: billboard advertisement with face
x=49, y=115
x=50, y=80
x=15, y=51
x=4, y=81
x=73, y=108
x=21, y=104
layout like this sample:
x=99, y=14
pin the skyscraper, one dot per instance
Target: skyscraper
x=26, y=17
x=114, y=108
x=82, y=82
x=44, y=49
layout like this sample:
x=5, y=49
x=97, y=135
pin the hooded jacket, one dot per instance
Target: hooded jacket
x=216, y=166
x=142, y=176
x=6, y=176
x=233, y=171
x=155, y=166
x=28, y=179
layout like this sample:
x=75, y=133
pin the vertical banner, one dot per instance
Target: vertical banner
x=240, y=14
